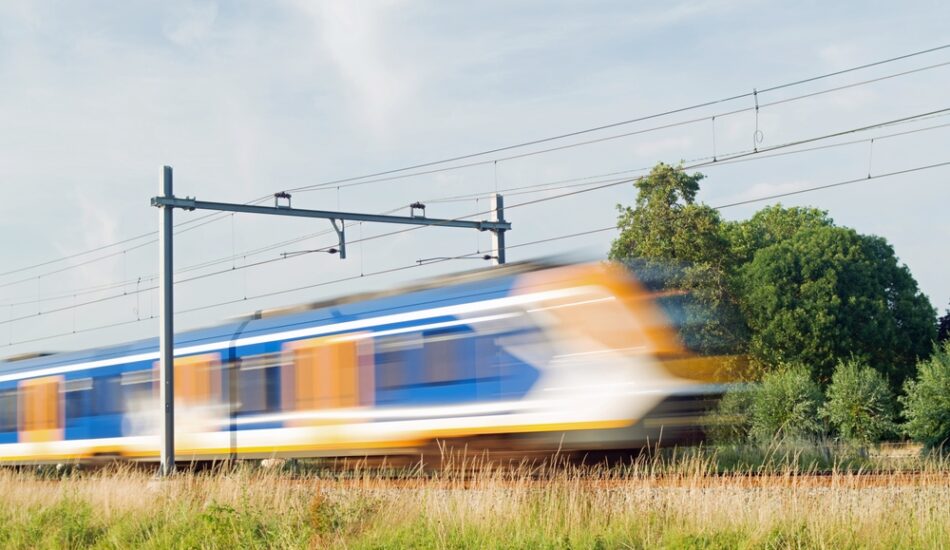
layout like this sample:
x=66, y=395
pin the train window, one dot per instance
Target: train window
x=449, y=356
x=7, y=410
x=40, y=404
x=259, y=383
x=107, y=395
x=77, y=397
x=196, y=382
x=138, y=389
x=329, y=372
x=486, y=357
x=393, y=360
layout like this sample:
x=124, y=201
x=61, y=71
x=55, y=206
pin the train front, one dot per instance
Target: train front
x=613, y=371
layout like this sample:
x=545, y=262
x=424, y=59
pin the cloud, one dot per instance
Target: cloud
x=191, y=23
x=839, y=55
x=353, y=35
x=765, y=189
x=98, y=225
x=658, y=147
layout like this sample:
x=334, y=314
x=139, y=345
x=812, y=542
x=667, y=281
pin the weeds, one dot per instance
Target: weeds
x=692, y=498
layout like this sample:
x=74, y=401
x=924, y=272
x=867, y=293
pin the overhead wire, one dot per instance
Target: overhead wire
x=449, y=258
x=217, y=216
x=719, y=207
x=359, y=181
x=716, y=160
x=537, y=142
x=723, y=159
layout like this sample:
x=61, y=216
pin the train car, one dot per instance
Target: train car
x=522, y=357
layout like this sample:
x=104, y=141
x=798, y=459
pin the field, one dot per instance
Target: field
x=684, y=501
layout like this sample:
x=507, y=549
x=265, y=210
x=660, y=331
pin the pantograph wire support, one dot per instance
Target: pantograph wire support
x=757, y=135
x=714, y=138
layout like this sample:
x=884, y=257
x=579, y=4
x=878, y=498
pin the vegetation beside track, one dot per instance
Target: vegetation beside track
x=684, y=501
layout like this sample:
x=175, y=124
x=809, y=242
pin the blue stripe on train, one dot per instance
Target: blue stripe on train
x=96, y=412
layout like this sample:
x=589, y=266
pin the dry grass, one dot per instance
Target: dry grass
x=670, y=502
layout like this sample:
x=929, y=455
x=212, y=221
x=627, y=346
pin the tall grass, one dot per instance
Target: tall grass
x=682, y=500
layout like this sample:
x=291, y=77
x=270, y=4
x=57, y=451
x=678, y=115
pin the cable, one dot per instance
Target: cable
x=742, y=156
x=440, y=260
x=722, y=160
x=759, y=199
x=138, y=280
x=215, y=215
x=529, y=143
x=355, y=181
x=837, y=184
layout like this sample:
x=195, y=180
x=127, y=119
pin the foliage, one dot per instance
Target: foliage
x=827, y=293
x=771, y=225
x=786, y=405
x=731, y=422
x=943, y=328
x=859, y=404
x=927, y=400
x=647, y=503
x=666, y=223
x=668, y=232
x=787, y=285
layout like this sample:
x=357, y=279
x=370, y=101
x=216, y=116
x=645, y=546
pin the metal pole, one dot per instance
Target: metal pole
x=498, y=235
x=166, y=338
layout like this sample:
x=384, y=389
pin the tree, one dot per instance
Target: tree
x=943, y=328
x=786, y=405
x=926, y=400
x=669, y=234
x=768, y=226
x=666, y=223
x=860, y=405
x=827, y=293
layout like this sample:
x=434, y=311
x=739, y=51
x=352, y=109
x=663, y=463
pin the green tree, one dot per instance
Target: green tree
x=667, y=223
x=943, y=328
x=771, y=225
x=668, y=233
x=860, y=405
x=828, y=293
x=927, y=400
x=786, y=405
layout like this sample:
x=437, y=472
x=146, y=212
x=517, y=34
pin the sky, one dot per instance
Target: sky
x=244, y=99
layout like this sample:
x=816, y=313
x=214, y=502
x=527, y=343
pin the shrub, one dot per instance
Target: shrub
x=860, y=405
x=732, y=419
x=786, y=405
x=927, y=400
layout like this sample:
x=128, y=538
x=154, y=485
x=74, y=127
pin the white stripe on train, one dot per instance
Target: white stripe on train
x=459, y=309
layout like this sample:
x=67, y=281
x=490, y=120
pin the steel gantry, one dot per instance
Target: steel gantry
x=167, y=202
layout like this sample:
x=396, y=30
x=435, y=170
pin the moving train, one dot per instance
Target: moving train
x=522, y=357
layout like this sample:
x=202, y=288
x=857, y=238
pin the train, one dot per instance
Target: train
x=521, y=358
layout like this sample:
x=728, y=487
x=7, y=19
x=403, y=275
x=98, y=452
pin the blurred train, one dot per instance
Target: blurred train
x=522, y=358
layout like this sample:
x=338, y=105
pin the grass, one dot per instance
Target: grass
x=676, y=500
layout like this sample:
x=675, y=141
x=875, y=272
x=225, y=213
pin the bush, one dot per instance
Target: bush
x=927, y=400
x=786, y=405
x=860, y=405
x=732, y=419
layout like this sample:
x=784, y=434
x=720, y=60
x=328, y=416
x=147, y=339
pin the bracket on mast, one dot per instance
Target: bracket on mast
x=341, y=235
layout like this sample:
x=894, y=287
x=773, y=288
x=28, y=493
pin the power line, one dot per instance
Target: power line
x=359, y=180
x=628, y=121
x=440, y=260
x=704, y=162
x=758, y=199
x=207, y=219
x=837, y=184
x=728, y=158
x=530, y=143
